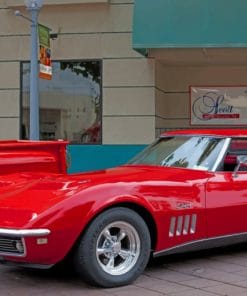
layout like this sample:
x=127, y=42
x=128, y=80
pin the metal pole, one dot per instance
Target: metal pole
x=34, y=82
x=33, y=8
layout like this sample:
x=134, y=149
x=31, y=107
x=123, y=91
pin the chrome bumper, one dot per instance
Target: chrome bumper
x=12, y=241
x=23, y=232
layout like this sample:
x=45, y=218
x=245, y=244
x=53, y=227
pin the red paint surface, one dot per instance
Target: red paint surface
x=65, y=204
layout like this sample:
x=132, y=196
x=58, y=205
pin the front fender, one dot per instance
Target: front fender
x=68, y=220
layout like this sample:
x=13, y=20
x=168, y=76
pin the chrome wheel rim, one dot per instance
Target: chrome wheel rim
x=118, y=248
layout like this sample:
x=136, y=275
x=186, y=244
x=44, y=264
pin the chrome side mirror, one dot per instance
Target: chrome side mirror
x=241, y=161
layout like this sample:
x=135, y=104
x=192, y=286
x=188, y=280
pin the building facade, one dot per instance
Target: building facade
x=86, y=31
x=122, y=69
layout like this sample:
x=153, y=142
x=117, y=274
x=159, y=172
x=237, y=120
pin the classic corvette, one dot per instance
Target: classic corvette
x=186, y=191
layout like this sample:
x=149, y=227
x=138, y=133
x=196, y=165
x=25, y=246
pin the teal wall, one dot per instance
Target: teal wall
x=94, y=157
x=189, y=23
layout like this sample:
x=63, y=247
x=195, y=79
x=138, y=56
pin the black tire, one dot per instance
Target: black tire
x=115, y=234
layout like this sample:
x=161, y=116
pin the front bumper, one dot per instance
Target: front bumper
x=12, y=241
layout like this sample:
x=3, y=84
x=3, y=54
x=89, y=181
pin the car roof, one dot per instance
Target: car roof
x=208, y=132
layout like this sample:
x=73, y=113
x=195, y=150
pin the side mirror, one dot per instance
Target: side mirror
x=241, y=161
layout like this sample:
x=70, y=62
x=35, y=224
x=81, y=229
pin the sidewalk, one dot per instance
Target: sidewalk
x=215, y=272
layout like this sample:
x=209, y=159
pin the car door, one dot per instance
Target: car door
x=226, y=196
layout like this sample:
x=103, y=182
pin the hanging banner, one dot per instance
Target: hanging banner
x=218, y=105
x=45, y=71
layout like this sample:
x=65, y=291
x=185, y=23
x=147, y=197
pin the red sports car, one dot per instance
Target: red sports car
x=187, y=191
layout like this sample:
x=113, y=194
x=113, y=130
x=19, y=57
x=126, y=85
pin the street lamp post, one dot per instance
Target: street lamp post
x=34, y=6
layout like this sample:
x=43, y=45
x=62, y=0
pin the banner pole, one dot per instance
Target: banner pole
x=33, y=7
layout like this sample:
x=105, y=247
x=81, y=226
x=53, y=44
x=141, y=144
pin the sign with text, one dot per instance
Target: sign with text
x=45, y=70
x=218, y=105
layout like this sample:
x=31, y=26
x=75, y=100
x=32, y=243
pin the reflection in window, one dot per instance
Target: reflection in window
x=70, y=103
x=188, y=152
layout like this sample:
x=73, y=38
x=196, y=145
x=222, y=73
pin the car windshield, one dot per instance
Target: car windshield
x=194, y=152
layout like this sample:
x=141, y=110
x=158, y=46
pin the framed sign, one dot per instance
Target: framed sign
x=218, y=105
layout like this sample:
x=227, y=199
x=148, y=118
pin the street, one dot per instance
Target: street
x=207, y=273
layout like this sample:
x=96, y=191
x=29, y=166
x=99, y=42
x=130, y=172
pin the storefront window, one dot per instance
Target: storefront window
x=70, y=103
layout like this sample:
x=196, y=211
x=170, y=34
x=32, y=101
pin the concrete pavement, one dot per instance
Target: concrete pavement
x=215, y=272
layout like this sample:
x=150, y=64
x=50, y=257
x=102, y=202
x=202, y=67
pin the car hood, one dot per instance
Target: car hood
x=25, y=196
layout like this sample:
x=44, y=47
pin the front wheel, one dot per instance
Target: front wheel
x=114, y=249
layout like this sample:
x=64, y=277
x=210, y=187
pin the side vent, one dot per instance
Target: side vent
x=182, y=225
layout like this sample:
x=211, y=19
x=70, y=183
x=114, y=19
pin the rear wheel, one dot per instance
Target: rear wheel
x=115, y=248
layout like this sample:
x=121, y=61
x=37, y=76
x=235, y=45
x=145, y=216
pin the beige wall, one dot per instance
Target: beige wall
x=172, y=90
x=93, y=30
x=9, y=99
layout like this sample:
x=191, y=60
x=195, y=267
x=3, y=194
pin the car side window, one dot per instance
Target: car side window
x=238, y=146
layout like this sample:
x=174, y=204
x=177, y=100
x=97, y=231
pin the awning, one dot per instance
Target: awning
x=189, y=24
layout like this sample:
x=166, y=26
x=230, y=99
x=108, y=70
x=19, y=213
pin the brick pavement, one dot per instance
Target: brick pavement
x=216, y=272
